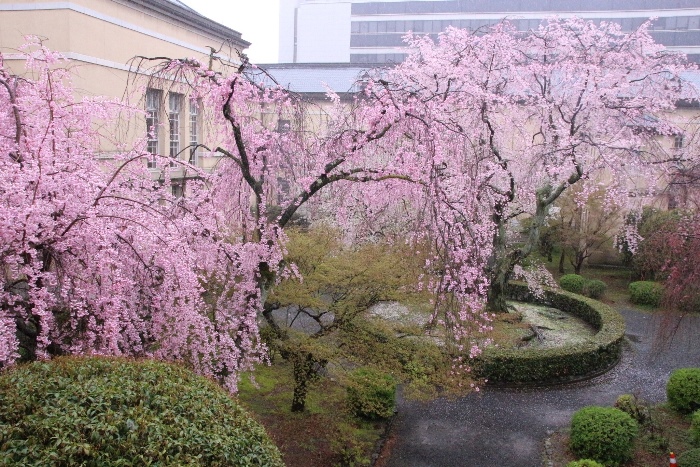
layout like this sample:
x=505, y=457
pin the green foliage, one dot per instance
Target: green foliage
x=117, y=412
x=695, y=428
x=572, y=283
x=594, y=288
x=632, y=405
x=339, y=284
x=420, y=364
x=371, y=393
x=646, y=293
x=349, y=449
x=528, y=366
x=346, y=281
x=683, y=390
x=584, y=463
x=689, y=458
x=604, y=434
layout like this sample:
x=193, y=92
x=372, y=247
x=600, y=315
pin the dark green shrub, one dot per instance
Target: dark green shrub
x=584, y=463
x=371, y=393
x=646, y=293
x=683, y=390
x=594, y=288
x=572, y=283
x=604, y=434
x=695, y=428
x=119, y=412
x=689, y=458
x=632, y=405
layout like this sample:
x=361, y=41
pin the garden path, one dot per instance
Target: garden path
x=507, y=427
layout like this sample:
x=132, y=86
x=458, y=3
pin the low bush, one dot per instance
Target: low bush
x=695, y=428
x=689, y=458
x=572, y=283
x=584, y=463
x=632, y=405
x=594, y=288
x=557, y=364
x=683, y=390
x=118, y=412
x=604, y=434
x=371, y=393
x=646, y=293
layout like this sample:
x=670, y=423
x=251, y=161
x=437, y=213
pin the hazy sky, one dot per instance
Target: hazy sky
x=256, y=20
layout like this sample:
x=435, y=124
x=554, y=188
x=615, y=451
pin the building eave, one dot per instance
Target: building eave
x=192, y=19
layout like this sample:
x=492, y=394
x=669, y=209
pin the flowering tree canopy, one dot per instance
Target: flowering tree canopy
x=452, y=145
x=507, y=121
x=97, y=257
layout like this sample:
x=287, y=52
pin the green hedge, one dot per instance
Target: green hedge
x=695, y=428
x=117, y=412
x=683, y=389
x=646, y=293
x=594, y=288
x=584, y=463
x=689, y=458
x=551, y=365
x=572, y=283
x=371, y=393
x=604, y=434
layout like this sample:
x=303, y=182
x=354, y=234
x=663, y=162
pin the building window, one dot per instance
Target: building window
x=194, y=130
x=174, y=108
x=678, y=141
x=152, y=121
x=177, y=190
x=283, y=125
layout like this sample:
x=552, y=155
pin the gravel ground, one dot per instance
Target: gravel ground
x=507, y=427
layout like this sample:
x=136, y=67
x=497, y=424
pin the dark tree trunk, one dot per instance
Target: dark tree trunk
x=504, y=259
x=305, y=372
x=562, y=257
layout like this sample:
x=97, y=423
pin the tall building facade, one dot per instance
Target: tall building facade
x=371, y=31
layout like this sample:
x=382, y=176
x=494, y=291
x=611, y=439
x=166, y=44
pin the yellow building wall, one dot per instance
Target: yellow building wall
x=101, y=37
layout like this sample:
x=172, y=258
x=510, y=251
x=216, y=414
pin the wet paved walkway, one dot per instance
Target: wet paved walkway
x=507, y=427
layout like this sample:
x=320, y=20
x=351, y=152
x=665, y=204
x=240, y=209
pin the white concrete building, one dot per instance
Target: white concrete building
x=371, y=31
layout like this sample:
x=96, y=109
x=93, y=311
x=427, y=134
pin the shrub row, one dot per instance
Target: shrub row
x=119, y=412
x=604, y=434
x=371, y=393
x=646, y=293
x=574, y=283
x=530, y=366
x=683, y=390
x=689, y=458
x=695, y=428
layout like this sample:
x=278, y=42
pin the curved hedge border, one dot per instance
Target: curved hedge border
x=563, y=364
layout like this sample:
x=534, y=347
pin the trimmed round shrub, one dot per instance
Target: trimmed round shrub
x=584, y=463
x=371, y=393
x=594, y=288
x=689, y=458
x=119, y=412
x=695, y=428
x=632, y=405
x=572, y=283
x=604, y=434
x=683, y=390
x=646, y=293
